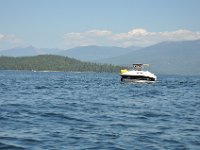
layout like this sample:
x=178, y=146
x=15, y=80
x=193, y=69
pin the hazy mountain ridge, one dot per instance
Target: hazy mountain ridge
x=165, y=58
x=28, y=51
x=16, y=52
x=93, y=53
x=83, y=53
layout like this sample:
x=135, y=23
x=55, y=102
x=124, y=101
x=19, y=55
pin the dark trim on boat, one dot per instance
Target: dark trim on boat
x=143, y=78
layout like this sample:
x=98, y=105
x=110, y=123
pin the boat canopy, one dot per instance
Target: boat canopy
x=140, y=64
x=139, y=67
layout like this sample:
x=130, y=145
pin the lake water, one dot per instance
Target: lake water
x=78, y=111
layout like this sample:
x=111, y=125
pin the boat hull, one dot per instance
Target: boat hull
x=137, y=78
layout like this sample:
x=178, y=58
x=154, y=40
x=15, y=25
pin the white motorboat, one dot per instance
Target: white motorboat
x=137, y=74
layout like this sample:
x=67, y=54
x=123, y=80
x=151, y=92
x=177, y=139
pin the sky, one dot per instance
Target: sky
x=66, y=24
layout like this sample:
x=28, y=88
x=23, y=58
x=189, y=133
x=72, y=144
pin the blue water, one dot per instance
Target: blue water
x=76, y=111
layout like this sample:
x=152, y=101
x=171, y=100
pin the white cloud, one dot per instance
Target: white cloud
x=141, y=37
x=99, y=33
x=138, y=32
x=181, y=34
x=1, y=36
x=91, y=37
x=135, y=37
x=78, y=39
x=10, y=38
x=10, y=41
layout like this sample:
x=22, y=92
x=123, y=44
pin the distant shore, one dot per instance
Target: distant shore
x=53, y=63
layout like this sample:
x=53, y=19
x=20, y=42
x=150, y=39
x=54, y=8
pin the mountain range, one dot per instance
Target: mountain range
x=181, y=57
x=165, y=58
x=29, y=51
x=94, y=53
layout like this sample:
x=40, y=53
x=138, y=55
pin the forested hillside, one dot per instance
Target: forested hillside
x=52, y=63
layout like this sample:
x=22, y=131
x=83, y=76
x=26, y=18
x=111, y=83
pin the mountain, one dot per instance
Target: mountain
x=165, y=58
x=84, y=53
x=29, y=51
x=16, y=52
x=51, y=50
x=94, y=53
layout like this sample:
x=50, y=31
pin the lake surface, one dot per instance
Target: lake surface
x=78, y=111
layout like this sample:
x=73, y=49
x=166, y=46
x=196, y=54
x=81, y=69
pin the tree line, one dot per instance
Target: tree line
x=53, y=63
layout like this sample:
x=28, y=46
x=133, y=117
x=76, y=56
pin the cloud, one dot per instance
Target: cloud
x=135, y=37
x=99, y=33
x=181, y=34
x=10, y=38
x=9, y=41
x=77, y=39
x=92, y=37
x=142, y=37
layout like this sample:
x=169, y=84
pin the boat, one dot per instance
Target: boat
x=137, y=74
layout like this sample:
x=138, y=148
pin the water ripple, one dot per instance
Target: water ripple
x=96, y=111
